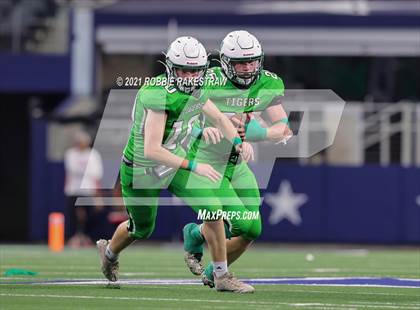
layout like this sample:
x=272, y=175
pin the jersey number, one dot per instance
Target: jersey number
x=271, y=74
x=174, y=138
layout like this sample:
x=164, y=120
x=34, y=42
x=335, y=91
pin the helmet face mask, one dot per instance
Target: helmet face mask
x=239, y=47
x=188, y=79
x=241, y=78
x=186, y=56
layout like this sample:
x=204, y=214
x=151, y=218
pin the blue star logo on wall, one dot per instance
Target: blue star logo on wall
x=418, y=200
x=285, y=204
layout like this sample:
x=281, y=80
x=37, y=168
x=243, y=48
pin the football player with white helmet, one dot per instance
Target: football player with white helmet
x=249, y=90
x=154, y=157
x=241, y=57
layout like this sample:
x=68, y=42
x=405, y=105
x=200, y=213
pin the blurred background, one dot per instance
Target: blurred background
x=60, y=59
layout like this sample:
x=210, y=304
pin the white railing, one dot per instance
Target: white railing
x=364, y=125
x=379, y=129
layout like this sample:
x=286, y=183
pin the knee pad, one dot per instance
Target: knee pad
x=249, y=229
x=239, y=227
x=254, y=231
x=142, y=231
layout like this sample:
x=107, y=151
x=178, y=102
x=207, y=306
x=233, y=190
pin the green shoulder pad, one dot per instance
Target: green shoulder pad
x=153, y=97
x=272, y=82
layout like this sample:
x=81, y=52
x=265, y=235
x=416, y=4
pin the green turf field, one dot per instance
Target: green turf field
x=166, y=262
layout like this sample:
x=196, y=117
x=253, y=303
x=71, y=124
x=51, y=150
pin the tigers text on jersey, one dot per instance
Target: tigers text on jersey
x=230, y=100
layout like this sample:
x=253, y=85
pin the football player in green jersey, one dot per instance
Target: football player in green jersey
x=153, y=157
x=249, y=90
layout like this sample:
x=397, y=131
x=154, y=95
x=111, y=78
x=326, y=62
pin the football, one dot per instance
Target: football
x=239, y=120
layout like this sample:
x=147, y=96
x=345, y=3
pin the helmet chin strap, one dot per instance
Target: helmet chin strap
x=249, y=78
x=245, y=81
x=217, y=60
x=167, y=69
x=179, y=83
x=233, y=75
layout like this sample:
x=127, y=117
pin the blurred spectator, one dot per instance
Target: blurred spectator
x=77, y=175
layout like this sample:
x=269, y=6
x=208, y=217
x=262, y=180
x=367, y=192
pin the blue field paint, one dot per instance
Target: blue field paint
x=388, y=282
x=344, y=281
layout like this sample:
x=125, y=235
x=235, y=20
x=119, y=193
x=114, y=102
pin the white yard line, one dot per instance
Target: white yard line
x=77, y=267
x=338, y=292
x=328, y=305
x=410, y=303
x=327, y=278
x=145, y=299
x=259, y=281
x=334, y=270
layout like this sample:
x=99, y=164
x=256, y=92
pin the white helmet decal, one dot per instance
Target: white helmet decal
x=240, y=45
x=245, y=42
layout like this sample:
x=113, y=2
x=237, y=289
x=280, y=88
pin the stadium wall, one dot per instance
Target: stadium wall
x=26, y=73
x=367, y=204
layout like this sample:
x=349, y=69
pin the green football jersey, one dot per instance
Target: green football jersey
x=182, y=111
x=230, y=100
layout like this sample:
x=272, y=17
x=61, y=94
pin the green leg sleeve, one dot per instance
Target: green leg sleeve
x=141, y=204
x=193, y=239
x=197, y=191
x=209, y=271
x=246, y=187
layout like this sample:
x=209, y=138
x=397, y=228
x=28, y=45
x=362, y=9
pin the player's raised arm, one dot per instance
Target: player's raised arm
x=279, y=130
x=153, y=149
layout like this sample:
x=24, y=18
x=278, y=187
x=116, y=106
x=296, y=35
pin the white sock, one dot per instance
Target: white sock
x=110, y=255
x=220, y=268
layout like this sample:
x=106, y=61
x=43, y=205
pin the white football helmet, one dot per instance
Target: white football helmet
x=189, y=54
x=239, y=46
